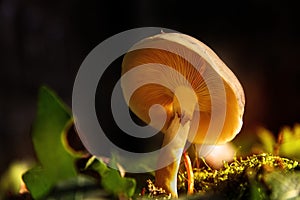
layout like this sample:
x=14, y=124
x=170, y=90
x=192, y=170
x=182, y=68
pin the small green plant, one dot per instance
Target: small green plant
x=55, y=174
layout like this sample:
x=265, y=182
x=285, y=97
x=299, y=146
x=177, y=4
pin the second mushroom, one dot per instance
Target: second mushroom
x=203, y=100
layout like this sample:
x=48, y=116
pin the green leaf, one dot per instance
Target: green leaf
x=111, y=180
x=37, y=181
x=48, y=131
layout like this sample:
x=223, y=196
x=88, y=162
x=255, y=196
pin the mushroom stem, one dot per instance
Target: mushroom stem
x=190, y=174
x=176, y=134
x=166, y=177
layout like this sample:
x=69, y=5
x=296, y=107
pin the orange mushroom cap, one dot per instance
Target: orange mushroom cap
x=199, y=66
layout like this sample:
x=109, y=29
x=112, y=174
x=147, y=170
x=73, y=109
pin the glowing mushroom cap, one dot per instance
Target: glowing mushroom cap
x=198, y=66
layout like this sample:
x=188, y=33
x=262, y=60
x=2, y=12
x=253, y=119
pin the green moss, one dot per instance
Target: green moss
x=244, y=178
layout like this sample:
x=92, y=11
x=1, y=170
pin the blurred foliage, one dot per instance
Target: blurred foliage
x=77, y=188
x=287, y=143
x=283, y=185
x=11, y=181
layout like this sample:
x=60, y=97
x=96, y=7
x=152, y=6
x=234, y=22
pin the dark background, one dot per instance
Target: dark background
x=44, y=42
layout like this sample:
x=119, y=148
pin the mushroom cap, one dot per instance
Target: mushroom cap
x=180, y=61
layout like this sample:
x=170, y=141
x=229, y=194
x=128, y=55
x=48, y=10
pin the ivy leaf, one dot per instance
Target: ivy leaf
x=111, y=180
x=48, y=131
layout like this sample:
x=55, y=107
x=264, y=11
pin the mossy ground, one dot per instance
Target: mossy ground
x=252, y=177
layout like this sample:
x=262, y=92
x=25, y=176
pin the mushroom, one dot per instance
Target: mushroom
x=195, y=83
